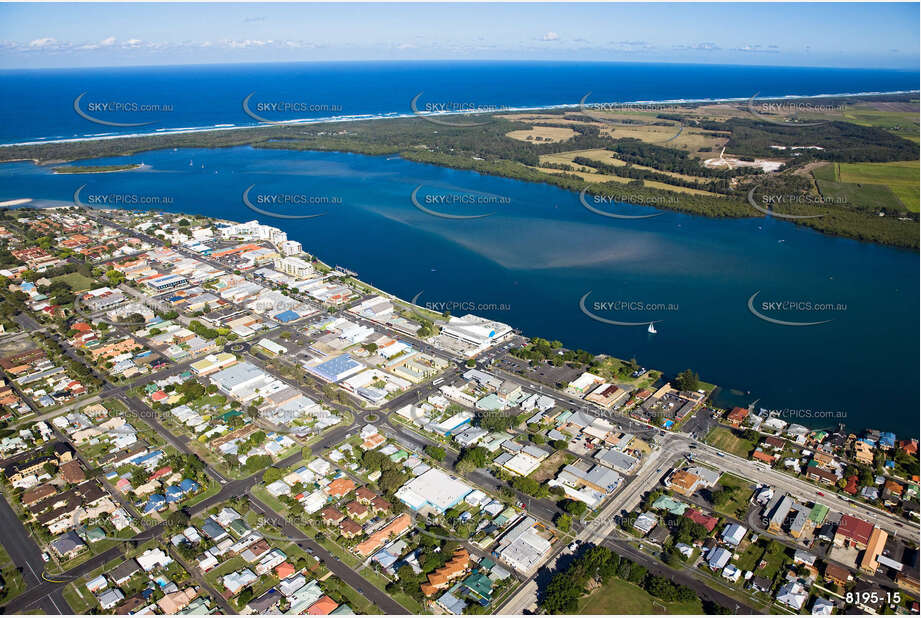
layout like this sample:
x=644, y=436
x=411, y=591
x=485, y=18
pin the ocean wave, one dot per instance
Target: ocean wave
x=391, y=115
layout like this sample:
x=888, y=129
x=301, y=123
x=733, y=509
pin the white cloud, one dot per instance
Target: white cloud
x=43, y=42
x=551, y=36
x=107, y=41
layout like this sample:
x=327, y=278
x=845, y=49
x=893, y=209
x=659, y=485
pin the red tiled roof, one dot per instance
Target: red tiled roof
x=697, y=517
x=855, y=529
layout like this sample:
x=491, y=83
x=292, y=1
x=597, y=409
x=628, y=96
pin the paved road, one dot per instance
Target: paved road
x=684, y=576
x=27, y=556
x=599, y=529
x=797, y=488
x=351, y=577
x=51, y=588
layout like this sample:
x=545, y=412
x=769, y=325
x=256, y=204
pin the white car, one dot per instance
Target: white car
x=46, y=557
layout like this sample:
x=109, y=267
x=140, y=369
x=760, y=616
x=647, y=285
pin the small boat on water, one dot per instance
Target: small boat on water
x=652, y=329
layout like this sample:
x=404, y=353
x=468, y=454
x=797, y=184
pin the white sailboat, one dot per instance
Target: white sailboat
x=652, y=329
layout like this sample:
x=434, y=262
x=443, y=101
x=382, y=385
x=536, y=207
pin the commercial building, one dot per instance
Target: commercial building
x=853, y=532
x=296, y=267
x=875, y=545
x=337, y=368
x=522, y=548
x=474, y=331
x=433, y=490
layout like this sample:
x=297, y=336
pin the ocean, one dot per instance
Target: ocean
x=42, y=105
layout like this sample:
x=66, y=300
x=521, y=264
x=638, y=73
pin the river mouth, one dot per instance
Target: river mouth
x=526, y=254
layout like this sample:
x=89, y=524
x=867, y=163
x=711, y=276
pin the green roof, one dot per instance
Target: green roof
x=239, y=527
x=487, y=563
x=818, y=514
x=670, y=504
x=342, y=609
x=479, y=585
x=229, y=415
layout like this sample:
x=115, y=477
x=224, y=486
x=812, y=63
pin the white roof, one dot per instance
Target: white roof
x=522, y=464
x=439, y=490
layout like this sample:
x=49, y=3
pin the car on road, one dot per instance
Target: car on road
x=820, y=493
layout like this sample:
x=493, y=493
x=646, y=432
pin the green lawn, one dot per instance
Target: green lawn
x=772, y=553
x=740, y=491
x=620, y=597
x=14, y=584
x=379, y=581
x=79, y=598
x=76, y=282
x=727, y=439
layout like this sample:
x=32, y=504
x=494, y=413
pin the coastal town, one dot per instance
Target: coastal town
x=200, y=416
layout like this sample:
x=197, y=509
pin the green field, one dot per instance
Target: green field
x=903, y=124
x=900, y=176
x=620, y=597
x=740, y=491
x=871, y=185
x=727, y=440
x=76, y=282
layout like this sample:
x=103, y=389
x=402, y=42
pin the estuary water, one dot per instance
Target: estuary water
x=539, y=252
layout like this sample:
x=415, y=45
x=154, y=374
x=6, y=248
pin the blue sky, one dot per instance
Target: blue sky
x=836, y=35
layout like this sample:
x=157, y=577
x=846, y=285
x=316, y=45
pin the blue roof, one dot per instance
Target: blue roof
x=189, y=485
x=384, y=558
x=287, y=316
x=154, y=503
x=887, y=438
x=142, y=458
x=335, y=366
